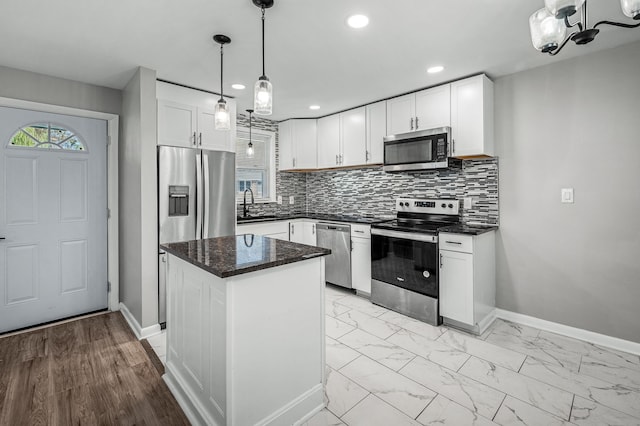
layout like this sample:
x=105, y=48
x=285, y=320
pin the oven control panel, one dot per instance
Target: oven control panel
x=433, y=206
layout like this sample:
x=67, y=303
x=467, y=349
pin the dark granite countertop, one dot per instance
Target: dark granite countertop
x=468, y=229
x=235, y=255
x=365, y=220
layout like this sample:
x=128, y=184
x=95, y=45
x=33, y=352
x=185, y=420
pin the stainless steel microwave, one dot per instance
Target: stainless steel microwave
x=420, y=150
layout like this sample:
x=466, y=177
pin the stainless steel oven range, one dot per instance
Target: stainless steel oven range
x=404, y=257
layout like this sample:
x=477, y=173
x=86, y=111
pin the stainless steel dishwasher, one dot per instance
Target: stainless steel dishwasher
x=337, y=238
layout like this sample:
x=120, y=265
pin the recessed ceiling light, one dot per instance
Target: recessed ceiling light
x=314, y=107
x=238, y=86
x=434, y=70
x=357, y=21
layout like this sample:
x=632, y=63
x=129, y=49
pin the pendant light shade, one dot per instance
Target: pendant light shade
x=263, y=96
x=563, y=8
x=547, y=32
x=263, y=90
x=631, y=8
x=222, y=116
x=250, y=150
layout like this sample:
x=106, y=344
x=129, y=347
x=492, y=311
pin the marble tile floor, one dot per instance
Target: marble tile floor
x=383, y=368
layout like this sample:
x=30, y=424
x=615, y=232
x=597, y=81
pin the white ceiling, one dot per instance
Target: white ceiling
x=312, y=56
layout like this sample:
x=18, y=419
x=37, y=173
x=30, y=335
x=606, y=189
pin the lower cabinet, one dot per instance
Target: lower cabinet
x=303, y=232
x=467, y=280
x=361, y=258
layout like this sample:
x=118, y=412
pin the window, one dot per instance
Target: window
x=257, y=173
x=46, y=136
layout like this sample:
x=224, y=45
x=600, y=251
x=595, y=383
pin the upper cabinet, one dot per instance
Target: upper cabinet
x=342, y=139
x=186, y=119
x=329, y=141
x=422, y=110
x=297, y=141
x=472, y=117
x=376, y=131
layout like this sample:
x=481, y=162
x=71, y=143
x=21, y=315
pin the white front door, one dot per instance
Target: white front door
x=53, y=217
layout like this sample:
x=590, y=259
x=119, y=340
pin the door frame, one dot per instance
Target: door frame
x=113, y=120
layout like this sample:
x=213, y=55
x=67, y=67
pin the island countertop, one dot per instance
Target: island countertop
x=241, y=254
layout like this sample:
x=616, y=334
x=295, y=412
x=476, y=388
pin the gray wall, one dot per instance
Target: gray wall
x=571, y=124
x=29, y=86
x=138, y=200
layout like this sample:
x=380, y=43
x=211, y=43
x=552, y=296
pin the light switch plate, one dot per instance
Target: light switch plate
x=566, y=195
x=279, y=199
x=468, y=202
x=291, y=200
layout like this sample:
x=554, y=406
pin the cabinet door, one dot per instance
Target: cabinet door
x=376, y=131
x=361, y=264
x=285, y=146
x=472, y=117
x=353, y=132
x=329, y=141
x=176, y=124
x=433, y=107
x=310, y=233
x=209, y=137
x=401, y=112
x=296, y=232
x=304, y=135
x=456, y=286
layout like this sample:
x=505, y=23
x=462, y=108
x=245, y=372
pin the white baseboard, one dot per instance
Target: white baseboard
x=487, y=321
x=141, y=333
x=576, y=333
x=183, y=400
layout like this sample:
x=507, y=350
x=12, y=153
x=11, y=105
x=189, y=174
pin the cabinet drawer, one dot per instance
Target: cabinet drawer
x=456, y=242
x=268, y=228
x=362, y=231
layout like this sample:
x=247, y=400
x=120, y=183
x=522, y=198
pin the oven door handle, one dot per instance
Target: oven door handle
x=405, y=235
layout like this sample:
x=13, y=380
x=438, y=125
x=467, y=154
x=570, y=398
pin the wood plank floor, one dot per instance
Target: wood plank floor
x=89, y=371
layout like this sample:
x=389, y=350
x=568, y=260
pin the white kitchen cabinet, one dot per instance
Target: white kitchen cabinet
x=376, y=131
x=467, y=280
x=298, y=144
x=472, y=117
x=329, y=141
x=276, y=229
x=361, y=258
x=186, y=119
x=303, y=232
x=353, y=137
x=426, y=109
x=433, y=107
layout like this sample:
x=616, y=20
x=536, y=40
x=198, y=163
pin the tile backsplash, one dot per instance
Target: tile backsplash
x=371, y=191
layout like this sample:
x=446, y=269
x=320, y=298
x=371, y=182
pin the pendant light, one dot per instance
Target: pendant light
x=250, y=150
x=549, y=25
x=222, y=116
x=263, y=92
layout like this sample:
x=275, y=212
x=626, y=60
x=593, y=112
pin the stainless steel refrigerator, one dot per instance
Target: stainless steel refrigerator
x=196, y=199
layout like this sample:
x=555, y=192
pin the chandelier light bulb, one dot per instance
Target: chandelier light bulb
x=547, y=32
x=563, y=8
x=631, y=8
x=222, y=116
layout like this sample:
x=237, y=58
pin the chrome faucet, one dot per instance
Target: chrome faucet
x=244, y=204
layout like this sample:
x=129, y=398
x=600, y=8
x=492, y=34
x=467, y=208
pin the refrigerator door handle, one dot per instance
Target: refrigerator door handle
x=199, y=195
x=206, y=191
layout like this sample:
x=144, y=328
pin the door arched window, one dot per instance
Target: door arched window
x=46, y=136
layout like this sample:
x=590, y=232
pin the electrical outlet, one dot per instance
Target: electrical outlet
x=279, y=199
x=566, y=195
x=291, y=200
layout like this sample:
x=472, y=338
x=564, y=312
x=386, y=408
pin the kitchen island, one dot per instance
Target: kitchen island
x=245, y=330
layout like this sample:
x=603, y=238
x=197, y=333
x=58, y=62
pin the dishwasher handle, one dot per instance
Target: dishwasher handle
x=333, y=227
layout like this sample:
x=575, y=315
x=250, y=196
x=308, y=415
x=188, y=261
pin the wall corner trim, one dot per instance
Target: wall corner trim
x=573, y=332
x=141, y=333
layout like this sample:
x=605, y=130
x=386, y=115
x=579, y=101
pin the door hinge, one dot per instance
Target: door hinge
x=108, y=286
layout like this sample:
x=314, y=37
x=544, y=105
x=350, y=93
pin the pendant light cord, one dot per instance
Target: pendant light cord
x=263, y=74
x=221, y=70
